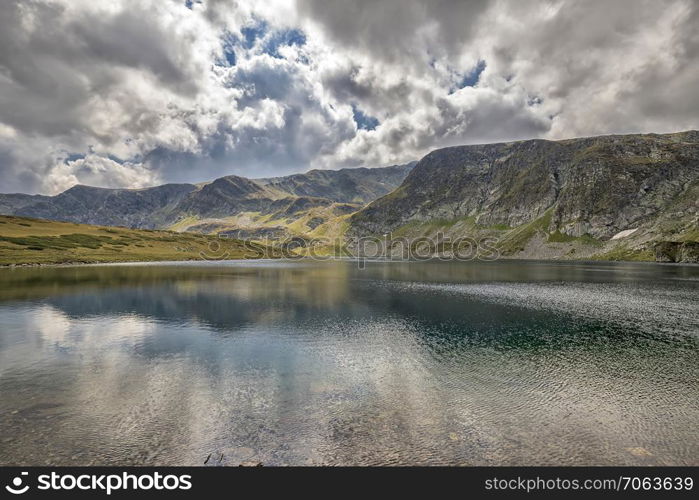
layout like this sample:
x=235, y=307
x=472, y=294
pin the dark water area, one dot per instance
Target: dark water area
x=311, y=363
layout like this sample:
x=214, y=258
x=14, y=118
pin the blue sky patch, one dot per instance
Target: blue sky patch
x=283, y=38
x=363, y=120
x=253, y=32
x=116, y=159
x=228, y=43
x=470, y=79
x=73, y=157
x=271, y=40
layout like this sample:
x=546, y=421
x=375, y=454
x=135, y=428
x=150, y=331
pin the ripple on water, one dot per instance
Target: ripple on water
x=304, y=364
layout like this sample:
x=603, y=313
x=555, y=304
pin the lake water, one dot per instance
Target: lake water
x=498, y=363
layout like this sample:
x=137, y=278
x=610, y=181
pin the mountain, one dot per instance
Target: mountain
x=616, y=196
x=135, y=208
x=213, y=205
x=12, y=202
x=228, y=196
x=348, y=185
x=619, y=197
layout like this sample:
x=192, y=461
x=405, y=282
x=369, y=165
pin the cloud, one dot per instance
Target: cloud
x=601, y=67
x=132, y=93
x=78, y=77
x=95, y=170
x=397, y=31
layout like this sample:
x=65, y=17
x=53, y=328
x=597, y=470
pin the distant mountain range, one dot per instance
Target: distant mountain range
x=620, y=197
x=185, y=206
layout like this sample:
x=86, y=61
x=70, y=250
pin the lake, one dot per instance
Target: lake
x=311, y=363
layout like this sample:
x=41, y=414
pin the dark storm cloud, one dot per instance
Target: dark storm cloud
x=398, y=29
x=54, y=61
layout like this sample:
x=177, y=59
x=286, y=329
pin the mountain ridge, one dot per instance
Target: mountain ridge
x=621, y=197
x=162, y=206
x=590, y=188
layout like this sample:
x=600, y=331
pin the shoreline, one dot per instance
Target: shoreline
x=27, y=265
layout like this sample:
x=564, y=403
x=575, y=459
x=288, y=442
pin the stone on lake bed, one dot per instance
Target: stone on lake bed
x=238, y=454
x=639, y=451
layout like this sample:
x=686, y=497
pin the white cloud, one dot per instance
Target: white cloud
x=147, y=83
x=99, y=170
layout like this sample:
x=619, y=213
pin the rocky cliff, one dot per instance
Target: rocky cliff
x=588, y=189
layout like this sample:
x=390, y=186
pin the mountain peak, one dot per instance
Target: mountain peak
x=161, y=206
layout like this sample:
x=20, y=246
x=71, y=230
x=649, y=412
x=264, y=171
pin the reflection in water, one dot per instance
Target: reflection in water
x=323, y=363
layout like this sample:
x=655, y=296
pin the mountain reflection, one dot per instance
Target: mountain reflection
x=324, y=363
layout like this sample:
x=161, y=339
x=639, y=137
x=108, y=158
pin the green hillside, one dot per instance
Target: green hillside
x=35, y=241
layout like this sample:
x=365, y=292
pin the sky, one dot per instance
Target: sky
x=135, y=93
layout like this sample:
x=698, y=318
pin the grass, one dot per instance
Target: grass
x=691, y=235
x=559, y=237
x=183, y=224
x=333, y=228
x=623, y=253
x=333, y=225
x=424, y=228
x=498, y=227
x=517, y=239
x=35, y=241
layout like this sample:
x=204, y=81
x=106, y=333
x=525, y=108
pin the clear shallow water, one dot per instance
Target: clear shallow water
x=500, y=363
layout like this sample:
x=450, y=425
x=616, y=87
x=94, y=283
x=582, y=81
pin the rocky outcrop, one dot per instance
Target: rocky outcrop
x=677, y=251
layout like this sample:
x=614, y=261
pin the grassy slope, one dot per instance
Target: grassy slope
x=297, y=224
x=36, y=241
x=514, y=242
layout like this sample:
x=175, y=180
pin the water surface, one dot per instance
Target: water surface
x=503, y=363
